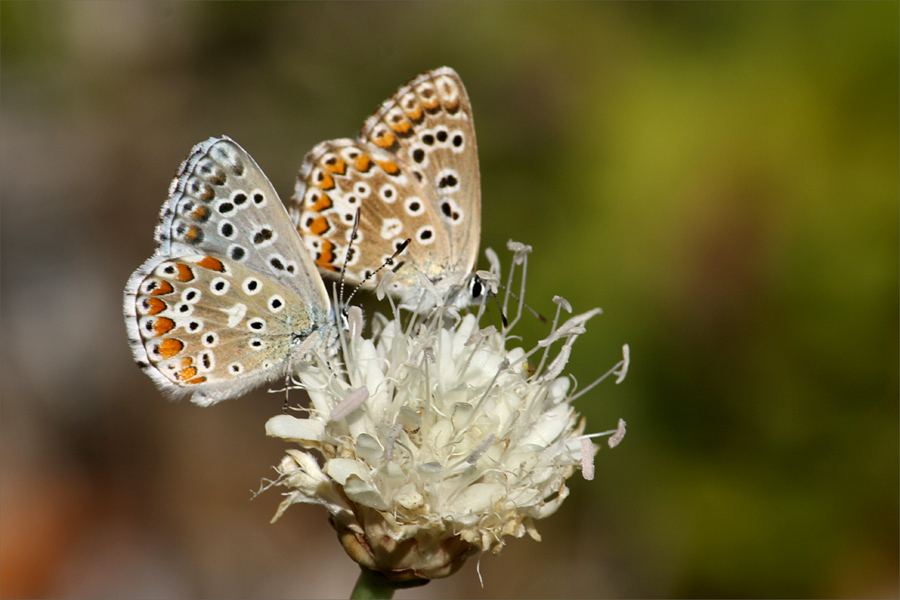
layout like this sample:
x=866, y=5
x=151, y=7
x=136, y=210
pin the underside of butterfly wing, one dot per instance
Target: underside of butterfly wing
x=412, y=174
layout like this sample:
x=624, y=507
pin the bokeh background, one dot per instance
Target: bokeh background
x=722, y=179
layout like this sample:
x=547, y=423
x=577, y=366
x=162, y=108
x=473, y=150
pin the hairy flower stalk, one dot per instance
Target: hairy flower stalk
x=437, y=438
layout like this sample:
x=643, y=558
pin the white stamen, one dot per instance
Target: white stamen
x=567, y=330
x=582, y=318
x=520, y=250
x=392, y=438
x=587, y=459
x=308, y=344
x=626, y=359
x=355, y=321
x=480, y=335
x=351, y=402
x=618, y=435
x=493, y=260
x=429, y=285
x=560, y=301
x=491, y=280
x=381, y=288
x=559, y=363
x=425, y=346
x=480, y=449
x=429, y=354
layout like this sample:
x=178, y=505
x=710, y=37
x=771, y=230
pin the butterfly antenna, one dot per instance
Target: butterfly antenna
x=287, y=385
x=347, y=257
x=538, y=315
x=386, y=263
x=287, y=396
x=500, y=308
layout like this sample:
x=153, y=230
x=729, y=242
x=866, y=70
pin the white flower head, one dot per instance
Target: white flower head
x=436, y=438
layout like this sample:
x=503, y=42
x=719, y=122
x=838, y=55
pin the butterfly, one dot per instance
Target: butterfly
x=231, y=298
x=411, y=173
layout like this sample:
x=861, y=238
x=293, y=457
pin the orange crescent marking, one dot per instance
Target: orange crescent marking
x=169, y=347
x=187, y=373
x=200, y=213
x=319, y=226
x=326, y=256
x=155, y=305
x=196, y=380
x=213, y=264
x=338, y=168
x=193, y=234
x=401, y=127
x=385, y=141
x=163, y=325
x=414, y=114
x=184, y=272
x=389, y=167
x=164, y=288
x=362, y=163
x=322, y=203
x=327, y=182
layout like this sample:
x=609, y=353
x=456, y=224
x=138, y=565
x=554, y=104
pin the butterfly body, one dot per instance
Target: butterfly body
x=231, y=298
x=412, y=173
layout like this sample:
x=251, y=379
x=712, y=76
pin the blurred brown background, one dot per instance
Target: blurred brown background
x=722, y=179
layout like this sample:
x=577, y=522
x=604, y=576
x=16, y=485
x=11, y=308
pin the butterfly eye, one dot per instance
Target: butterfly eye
x=477, y=288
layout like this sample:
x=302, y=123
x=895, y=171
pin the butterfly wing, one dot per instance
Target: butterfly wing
x=412, y=173
x=231, y=294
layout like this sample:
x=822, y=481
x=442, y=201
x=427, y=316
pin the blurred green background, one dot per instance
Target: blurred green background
x=722, y=179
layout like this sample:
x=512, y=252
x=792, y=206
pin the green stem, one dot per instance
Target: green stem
x=372, y=585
